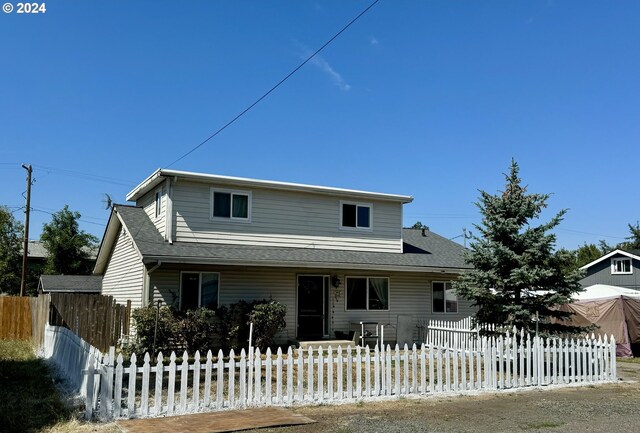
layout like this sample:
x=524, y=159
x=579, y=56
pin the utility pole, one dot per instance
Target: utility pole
x=25, y=248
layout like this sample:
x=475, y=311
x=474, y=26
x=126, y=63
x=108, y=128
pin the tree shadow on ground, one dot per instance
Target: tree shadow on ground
x=28, y=398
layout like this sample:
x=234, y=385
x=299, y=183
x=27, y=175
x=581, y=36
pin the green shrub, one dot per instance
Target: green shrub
x=203, y=329
x=268, y=320
x=145, y=322
x=198, y=329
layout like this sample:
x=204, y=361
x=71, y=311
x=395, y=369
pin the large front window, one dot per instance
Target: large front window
x=230, y=204
x=199, y=289
x=367, y=293
x=444, y=297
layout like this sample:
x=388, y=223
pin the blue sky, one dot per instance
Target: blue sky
x=427, y=98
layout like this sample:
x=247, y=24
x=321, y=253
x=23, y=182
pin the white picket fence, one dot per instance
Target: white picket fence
x=455, y=334
x=188, y=385
x=74, y=357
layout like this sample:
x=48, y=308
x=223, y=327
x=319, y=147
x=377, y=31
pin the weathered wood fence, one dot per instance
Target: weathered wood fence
x=160, y=386
x=23, y=318
x=97, y=319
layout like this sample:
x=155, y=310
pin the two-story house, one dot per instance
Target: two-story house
x=618, y=268
x=333, y=256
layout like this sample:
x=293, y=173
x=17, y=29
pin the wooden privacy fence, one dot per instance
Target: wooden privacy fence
x=175, y=385
x=97, y=319
x=15, y=318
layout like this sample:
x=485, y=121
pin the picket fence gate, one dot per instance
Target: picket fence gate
x=297, y=376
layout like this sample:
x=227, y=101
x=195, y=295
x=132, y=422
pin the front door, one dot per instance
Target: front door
x=313, y=300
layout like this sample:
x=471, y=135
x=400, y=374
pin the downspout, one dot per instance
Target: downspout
x=149, y=294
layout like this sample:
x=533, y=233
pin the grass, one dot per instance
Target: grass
x=28, y=398
x=629, y=360
x=542, y=424
x=29, y=401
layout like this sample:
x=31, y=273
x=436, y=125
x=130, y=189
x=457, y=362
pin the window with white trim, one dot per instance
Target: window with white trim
x=621, y=266
x=232, y=205
x=355, y=215
x=445, y=299
x=367, y=293
x=199, y=289
x=158, y=203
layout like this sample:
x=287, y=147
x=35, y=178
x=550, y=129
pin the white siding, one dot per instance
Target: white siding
x=148, y=203
x=409, y=294
x=123, y=278
x=284, y=218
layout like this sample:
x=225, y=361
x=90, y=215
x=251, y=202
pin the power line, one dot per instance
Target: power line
x=86, y=176
x=257, y=101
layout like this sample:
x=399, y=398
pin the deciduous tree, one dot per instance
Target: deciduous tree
x=67, y=246
x=10, y=252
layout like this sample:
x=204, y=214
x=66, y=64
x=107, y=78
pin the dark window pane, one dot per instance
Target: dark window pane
x=189, y=291
x=438, y=298
x=363, y=216
x=209, y=291
x=356, y=293
x=240, y=206
x=348, y=215
x=222, y=204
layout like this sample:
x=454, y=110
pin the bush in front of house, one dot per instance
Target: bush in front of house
x=203, y=329
x=197, y=329
x=268, y=320
x=145, y=326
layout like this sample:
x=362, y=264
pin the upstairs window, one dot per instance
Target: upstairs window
x=621, y=266
x=445, y=299
x=233, y=205
x=158, y=203
x=356, y=215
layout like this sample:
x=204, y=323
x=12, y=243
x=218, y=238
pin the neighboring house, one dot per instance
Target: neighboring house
x=333, y=256
x=70, y=284
x=618, y=268
x=37, y=254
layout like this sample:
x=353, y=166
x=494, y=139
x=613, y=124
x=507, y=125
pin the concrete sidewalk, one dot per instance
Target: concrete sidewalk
x=216, y=422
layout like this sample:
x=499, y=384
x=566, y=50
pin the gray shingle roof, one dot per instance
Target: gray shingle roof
x=420, y=251
x=70, y=283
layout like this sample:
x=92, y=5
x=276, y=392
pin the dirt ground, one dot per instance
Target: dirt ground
x=602, y=408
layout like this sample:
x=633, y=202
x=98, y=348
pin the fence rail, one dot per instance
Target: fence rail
x=205, y=383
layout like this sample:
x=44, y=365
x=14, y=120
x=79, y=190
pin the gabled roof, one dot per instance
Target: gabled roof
x=422, y=251
x=70, y=283
x=158, y=176
x=634, y=254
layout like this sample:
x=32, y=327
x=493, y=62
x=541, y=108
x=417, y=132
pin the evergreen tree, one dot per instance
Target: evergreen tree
x=66, y=244
x=10, y=252
x=516, y=273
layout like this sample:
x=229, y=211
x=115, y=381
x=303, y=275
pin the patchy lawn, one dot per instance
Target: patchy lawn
x=29, y=401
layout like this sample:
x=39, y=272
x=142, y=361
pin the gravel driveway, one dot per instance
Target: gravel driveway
x=602, y=408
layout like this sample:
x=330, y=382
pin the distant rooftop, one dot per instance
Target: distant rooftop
x=37, y=250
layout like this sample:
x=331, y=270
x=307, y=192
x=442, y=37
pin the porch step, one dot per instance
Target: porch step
x=326, y=343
